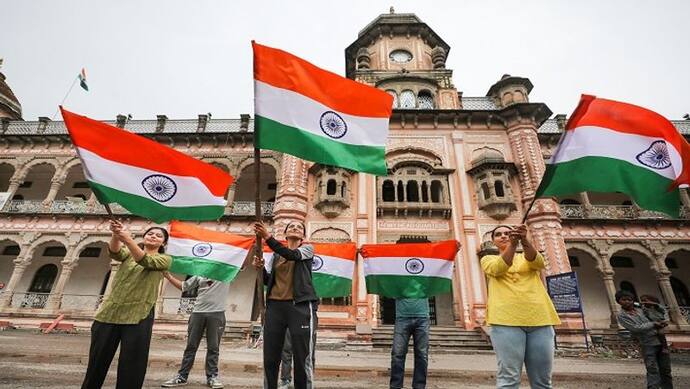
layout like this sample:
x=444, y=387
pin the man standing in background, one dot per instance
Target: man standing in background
x=411, y=319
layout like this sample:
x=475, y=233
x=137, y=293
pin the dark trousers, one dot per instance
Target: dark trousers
x=134, y=341
x=658, y=364
x=211, y=323
x=418, y=328
x=301, y=320
x=286, y=359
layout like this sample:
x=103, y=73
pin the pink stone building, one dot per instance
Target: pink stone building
x=458, y=166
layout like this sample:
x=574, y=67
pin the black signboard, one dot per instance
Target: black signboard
x=564, y=292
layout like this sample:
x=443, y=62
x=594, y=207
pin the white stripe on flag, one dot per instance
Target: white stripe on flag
x=396, y=266
x=590, y=141
x=220, y=252
x=190, y=191
x=295, y=110
x=336, y=266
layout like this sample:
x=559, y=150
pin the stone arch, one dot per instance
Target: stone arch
x=330, y=234
x=635, y=247
x=487, y=152
x=587, y=249
x=221, y=163
x=88, y=241
x=249, y=160
x=401, y=153
x=66, y=167
x=38, y=161
x=7, y=171
x=30, y=252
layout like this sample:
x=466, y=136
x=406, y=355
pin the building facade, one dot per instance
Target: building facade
x=458, y=167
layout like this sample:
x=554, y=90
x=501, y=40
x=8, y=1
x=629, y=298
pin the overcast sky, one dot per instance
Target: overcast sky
x=182, y=58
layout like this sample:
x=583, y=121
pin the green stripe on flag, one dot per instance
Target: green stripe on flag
x=394, y=286
x=602, y=174
x=327, y=285
x=273, y=135
x=153, y=210
x=200, y=267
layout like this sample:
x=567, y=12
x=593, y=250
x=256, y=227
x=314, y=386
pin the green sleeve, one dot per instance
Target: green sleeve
x=120, y=255
x=155, y=261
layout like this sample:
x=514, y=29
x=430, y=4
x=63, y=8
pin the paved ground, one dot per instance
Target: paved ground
x=32, y=360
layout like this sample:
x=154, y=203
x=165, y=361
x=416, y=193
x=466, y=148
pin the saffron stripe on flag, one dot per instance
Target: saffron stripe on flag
x=339, y=93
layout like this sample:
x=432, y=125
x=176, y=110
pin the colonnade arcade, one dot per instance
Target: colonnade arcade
x=651, y=267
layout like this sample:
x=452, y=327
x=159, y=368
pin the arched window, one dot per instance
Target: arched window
x=498, y=185
x=425, y=100
x=43, y=279
x=330, y=187
x=343, y=189
x=388, y=191
x=485, y=190
x=412, y=191
x=425, y=192
x=395, y=97
x=436, y=189
x=407, y=100
x=626, y=285
x=401, y=192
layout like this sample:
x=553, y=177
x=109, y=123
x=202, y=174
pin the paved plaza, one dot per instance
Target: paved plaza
x=29, y=359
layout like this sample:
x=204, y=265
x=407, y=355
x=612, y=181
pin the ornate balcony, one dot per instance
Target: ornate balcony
x=615, y=212
x=238, y=208
x=413, y=209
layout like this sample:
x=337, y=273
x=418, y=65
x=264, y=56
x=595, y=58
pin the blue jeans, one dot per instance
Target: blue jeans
x=418, y=327
x=533, y=346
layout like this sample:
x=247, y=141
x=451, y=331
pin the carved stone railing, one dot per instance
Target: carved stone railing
x=614, y=212
x=413, y=208
x=30, y=300
x=685, y=312
x=247, y=208
x=238, y=208
x=178, y=305
x=81, y=302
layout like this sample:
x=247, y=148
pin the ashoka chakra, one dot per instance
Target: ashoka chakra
x=656, y=156
x=333, y=125
x=202, y=249
x=414, y=266
x=159, y=187
x=317, y=264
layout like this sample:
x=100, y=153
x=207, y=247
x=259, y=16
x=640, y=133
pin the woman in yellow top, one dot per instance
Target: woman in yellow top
x=125, y=318
x=519, y=310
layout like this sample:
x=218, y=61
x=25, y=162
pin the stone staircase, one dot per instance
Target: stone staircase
x=237, y=331
x=440, y=338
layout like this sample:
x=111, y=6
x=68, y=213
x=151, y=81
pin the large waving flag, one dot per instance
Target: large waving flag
x=409, y=270
x=201, y=252
x=317, y=115
x=145, y=177
x=609, y=146
x=333, y=267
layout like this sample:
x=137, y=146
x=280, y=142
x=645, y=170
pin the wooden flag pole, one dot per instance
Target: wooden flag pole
x=258, y=249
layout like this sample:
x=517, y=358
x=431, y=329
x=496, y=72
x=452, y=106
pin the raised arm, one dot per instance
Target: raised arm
x=174, y=281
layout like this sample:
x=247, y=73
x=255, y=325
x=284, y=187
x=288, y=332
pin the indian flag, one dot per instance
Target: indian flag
x=409, y=270
x=609, y=146
x=332, y=269
x=145, y=177
x=202, y=252
x=317, y=115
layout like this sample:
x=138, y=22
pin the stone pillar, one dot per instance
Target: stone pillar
x=159, y=300
x=658, y=250
x=15, y=181
x=55, y=299
x=55, y=185
x=20, y=265
x=544, y=220
x=114, y=267
x=685, y=197
x=291, y=199
x=610, y=286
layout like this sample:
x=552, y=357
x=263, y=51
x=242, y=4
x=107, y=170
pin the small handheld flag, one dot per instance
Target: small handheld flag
x=82, y=79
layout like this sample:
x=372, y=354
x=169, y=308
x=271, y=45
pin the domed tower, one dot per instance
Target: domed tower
x=405, y=57
x=9, y=105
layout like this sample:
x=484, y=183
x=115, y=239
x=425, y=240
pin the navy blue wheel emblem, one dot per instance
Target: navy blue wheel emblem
x=159, y=187
x=656, y=156
x=333, y=125
x=202, y=249
x=317, y=264
x=414, y=266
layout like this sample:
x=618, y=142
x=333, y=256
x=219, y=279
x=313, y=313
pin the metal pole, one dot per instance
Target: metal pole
x=258, y=249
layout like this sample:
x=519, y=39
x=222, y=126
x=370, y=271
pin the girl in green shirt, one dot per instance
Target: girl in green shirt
x=125, y=318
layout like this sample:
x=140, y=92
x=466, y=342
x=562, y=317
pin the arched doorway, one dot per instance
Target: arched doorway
x=594, y=298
